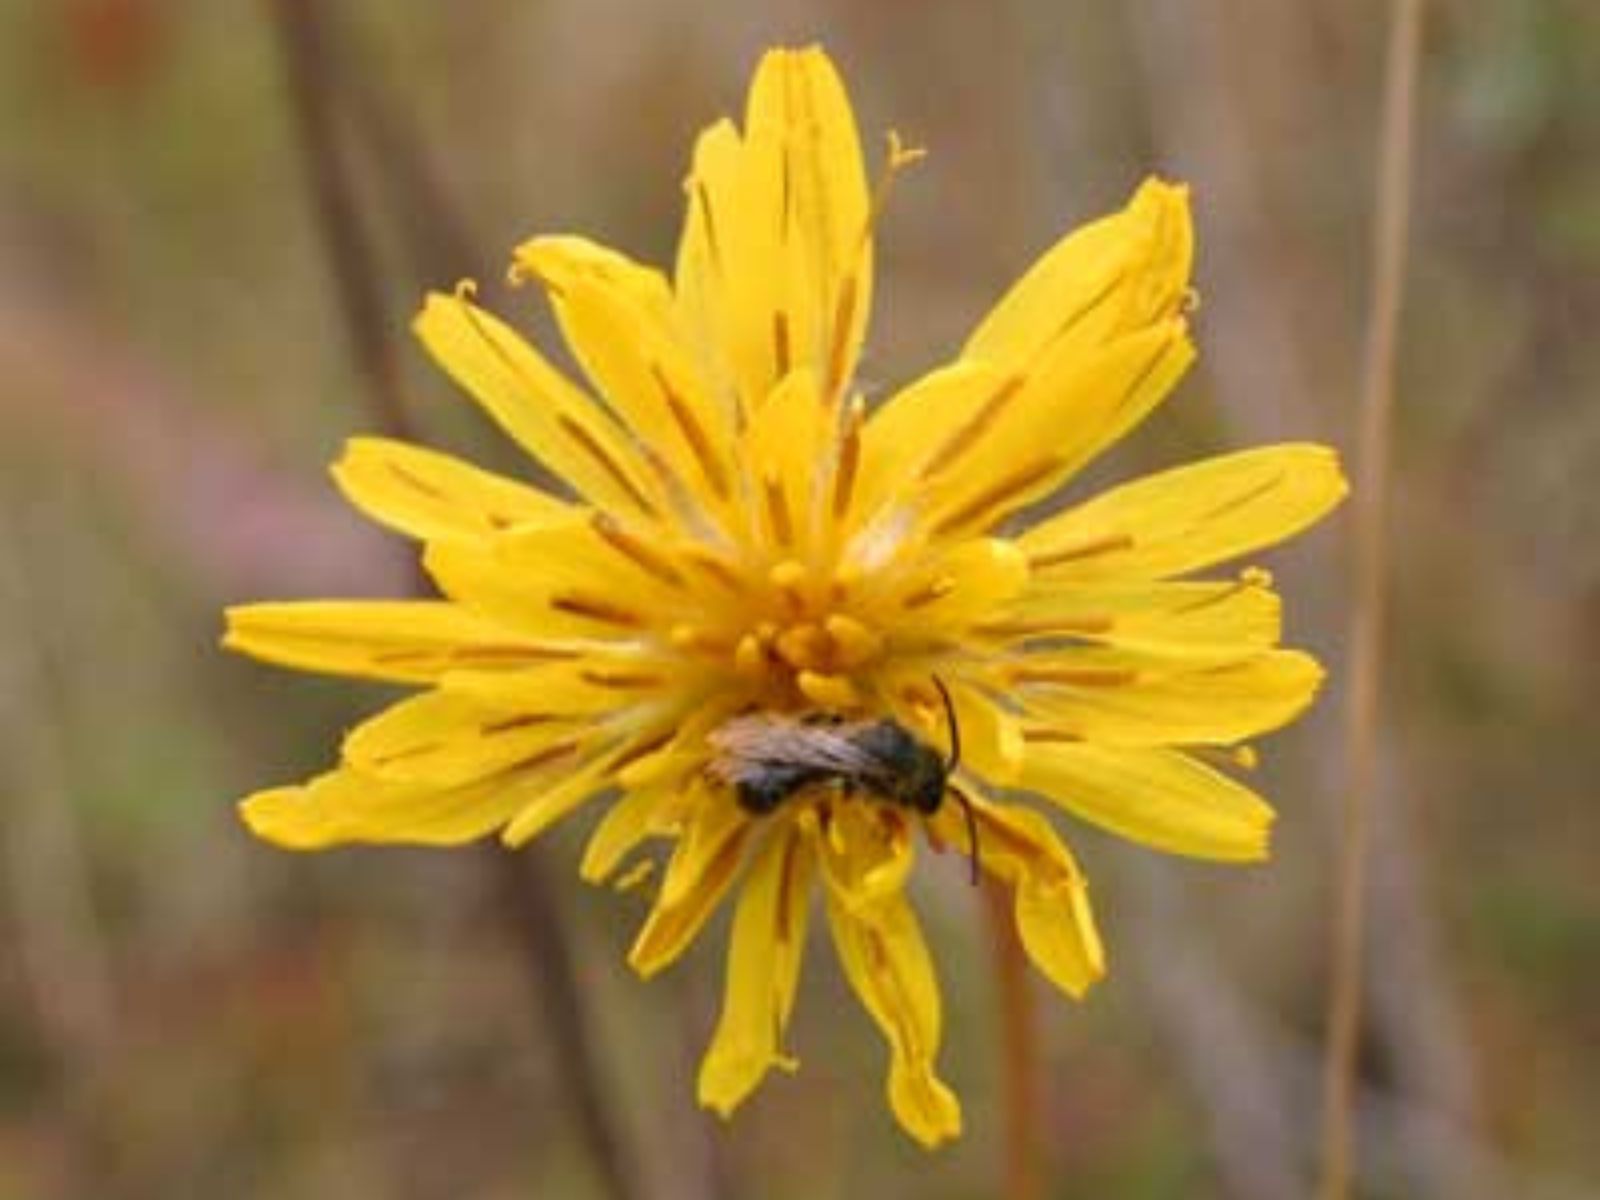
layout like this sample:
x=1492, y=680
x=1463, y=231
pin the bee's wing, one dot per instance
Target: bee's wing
x=747, y=746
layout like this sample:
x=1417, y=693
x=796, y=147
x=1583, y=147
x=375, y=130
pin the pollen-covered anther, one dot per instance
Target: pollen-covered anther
x=789, y=578
x=853, y=642
x=750, y=656
x=805, y=646
x=833, y=692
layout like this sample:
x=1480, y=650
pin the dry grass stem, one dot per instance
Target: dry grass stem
x=1366, y=634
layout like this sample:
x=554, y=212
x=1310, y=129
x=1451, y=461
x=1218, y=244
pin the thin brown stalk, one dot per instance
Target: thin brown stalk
x=353, y=259
x=1019, y=1052
x=1393, y=202
x=311, y=53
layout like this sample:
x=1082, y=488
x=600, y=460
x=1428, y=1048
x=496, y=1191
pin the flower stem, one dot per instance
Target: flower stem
x=1371, y=497
x=1019, y=1050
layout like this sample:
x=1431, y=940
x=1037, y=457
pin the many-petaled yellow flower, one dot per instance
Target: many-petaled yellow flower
x=736, y=532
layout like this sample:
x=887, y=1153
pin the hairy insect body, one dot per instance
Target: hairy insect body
x=769, y=760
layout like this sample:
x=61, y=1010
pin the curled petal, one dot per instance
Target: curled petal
x=886, y=960
x=1050, y=897
x=764, y=955
x=702, y=868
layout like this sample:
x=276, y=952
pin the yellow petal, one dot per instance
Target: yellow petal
x=554, y=582
x=539, y=407
x=886, y=960
x=1050, y=897
x=1098, y=283
x=617, y=317
x=703, y=866
x=581, y=689
x=1246, y=612
x=639, y=814
x=1161, y=798
x=1120, y=697
x=783, y=456
x=1032, y=438
x=952, y=588
x=776, y=262
x=866, y=852
x=347, y=806
x=764, y=954
x=565, y=796
x=444, y=739
x=403, y=641
x=1191, y=517
x=909, y=435
x=424, y=494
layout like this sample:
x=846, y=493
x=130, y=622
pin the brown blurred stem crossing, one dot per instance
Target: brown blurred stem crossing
x=316, y=86
x=1371, y=500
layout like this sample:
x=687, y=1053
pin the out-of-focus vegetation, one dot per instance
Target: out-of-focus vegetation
x=185, y=1012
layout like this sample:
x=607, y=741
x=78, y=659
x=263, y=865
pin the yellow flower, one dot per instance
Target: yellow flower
x=738, y=537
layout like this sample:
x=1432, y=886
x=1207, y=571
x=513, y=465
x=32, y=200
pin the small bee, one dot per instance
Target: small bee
x=768, y=759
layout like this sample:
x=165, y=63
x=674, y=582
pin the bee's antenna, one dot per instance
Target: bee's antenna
x=955, y=729
x=974, y=856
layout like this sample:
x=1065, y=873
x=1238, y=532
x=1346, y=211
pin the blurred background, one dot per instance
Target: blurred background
x=185, y=1012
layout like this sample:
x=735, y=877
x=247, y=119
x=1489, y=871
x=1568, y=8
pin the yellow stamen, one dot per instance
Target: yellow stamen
x=750, y=656
x=853, y=642
x=834, y=692
x=803, y=646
